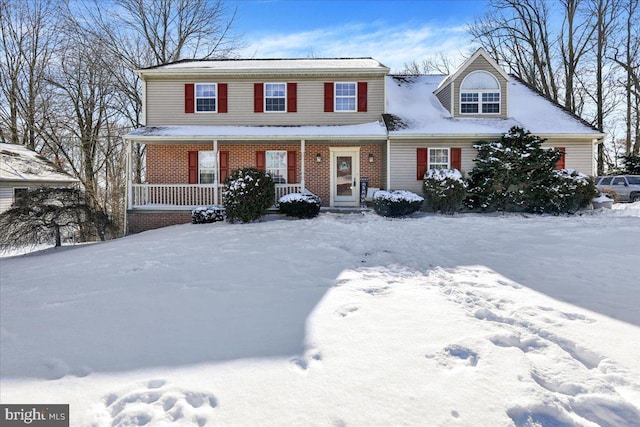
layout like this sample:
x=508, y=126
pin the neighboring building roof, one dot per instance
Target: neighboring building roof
x=18, y=163
x=417, y=111
x=365, y=130
x=240, y=66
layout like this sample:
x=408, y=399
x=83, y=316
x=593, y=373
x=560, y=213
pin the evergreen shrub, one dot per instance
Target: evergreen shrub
x=396, y=203
x=444, y=190
x=300, y=205
x=247, y=195
x=207, y=214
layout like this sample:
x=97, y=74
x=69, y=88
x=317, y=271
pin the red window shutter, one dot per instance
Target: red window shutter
x=292, y=97
x=292, y=158
x=328, y=97
x=561, y=161
x=362, y=97
x=222, y=97
x=422, y=157
x=261, y=160
x=193, y=167
x=456, y=158
x=189, y=98
x=224, y=165
x=258, y=97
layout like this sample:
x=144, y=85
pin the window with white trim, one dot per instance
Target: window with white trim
x=275, y=97
x=345, y=96
x=480, y=94
x=206, y=167
x=439, y=158
x=206, y=97
x=276, y=165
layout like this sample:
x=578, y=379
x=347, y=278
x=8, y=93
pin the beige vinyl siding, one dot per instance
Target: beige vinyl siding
x=480, y=64
x=579, y=155
x=403, y=160
x=165, y=104
x=445, y=97
x=6, y=197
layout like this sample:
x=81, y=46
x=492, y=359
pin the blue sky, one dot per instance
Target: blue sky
x=393, y=32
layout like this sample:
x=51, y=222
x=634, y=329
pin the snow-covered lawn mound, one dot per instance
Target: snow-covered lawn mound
x=346, y=319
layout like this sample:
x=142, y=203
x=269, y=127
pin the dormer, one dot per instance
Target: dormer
x=477, y=88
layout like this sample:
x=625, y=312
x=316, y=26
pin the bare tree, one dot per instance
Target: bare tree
x=29, y=40
x=441, y=63
x=517, y=33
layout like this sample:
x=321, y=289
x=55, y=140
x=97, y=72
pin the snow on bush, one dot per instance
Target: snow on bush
x=396, y=203
x=207, y=214
x=444, y=190
x=248, y=194
x=300, y=205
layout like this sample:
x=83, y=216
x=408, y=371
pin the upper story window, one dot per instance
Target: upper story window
x=206, y=97
x=345, y=97
x=480, y=94
x=275, y=97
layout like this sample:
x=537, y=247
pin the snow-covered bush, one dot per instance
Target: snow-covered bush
x=444, y=190
x=207, y=214
x=396, y=203
x=247, y=195
x=513, y=174
x=568, y=192
x=300, y=205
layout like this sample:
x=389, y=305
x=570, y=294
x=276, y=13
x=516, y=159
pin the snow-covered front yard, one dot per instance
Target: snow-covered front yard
x=343, y=320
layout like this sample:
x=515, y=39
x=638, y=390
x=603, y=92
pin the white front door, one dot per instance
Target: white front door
x=345, y=176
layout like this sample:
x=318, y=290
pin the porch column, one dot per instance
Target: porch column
x=388, y=165
x=216, y=154
x=302, y=144
x=129, y=177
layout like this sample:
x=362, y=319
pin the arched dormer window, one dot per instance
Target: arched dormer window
x=480, y=94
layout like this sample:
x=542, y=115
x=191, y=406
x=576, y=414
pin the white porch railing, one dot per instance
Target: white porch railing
x=158, y=196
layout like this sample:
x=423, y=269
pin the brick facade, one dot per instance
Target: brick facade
x=143, y=220
x=168, y=164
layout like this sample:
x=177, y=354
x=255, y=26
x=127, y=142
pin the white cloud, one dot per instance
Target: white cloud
x=393, y=46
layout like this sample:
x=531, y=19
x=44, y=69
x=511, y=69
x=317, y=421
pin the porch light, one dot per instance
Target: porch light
x=318, y=157
x=370, y=157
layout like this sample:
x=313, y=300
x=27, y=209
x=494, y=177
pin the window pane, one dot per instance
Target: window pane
x=206, y=160
x=618, y=181
x=490, y=108
x=345, y=104
x=206, y=177
x=491, y=97
x=469, y=108
x=206, y=104
x=273, y=89
x=345, y=89
x=207, y=90
x=274, y=104
x=633, y=180
x=606, y=181
x=469, y=97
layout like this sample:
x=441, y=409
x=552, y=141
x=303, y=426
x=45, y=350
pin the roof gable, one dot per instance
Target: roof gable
x=456, y=73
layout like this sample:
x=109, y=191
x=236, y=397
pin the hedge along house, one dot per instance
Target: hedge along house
x=325, y=125
x=314, y=124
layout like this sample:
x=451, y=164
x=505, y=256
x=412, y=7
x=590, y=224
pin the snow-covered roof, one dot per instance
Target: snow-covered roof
x=366, y=130
x=293, y=65
x=415, y=110
x=18, y=163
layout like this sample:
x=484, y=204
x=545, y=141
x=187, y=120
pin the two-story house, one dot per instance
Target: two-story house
x=324, y=125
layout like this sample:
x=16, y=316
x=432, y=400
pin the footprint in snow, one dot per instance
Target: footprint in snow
x=306, y=360
x=455, y=355
x=346, y=310
x=158, y=403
